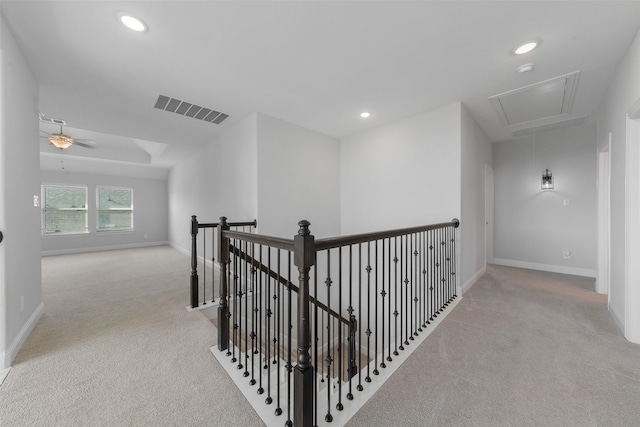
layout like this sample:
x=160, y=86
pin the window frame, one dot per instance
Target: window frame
x=43, y=210
x=98, y=210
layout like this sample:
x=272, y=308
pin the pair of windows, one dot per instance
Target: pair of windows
x=65, y=209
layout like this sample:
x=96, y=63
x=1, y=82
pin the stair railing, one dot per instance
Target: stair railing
x=194, y=278
x=389, y=286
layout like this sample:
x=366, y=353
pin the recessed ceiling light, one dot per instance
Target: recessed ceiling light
x=525, y=47
x=132, y=23
x=525, y=68
x=365, y=114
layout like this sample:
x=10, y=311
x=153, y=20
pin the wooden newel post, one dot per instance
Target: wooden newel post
x=303, y=258
x=223, y=307
x=194, y=262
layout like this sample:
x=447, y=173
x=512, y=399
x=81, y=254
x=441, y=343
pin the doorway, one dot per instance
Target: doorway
x=488, y=213
x=604, y=215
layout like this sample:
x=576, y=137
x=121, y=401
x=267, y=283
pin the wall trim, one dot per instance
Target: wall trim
x=102, y=248
x=10, y=354
x=467, y=285
x=616, y=319
x=585, y=272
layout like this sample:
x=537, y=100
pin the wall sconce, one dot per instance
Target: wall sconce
x=547, y=180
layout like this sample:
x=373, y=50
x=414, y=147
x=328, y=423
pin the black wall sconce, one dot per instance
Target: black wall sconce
x=547, y=180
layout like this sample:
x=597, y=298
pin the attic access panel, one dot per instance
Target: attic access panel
x=538, y=104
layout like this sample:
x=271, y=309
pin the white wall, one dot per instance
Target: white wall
x=533, y=227
x=476, y=153
x=403, y=174
x=621, y=96
x=219, y=180
x=150, y=202
x=19, y=219
x=298, y=178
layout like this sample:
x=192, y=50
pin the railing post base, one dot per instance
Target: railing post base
x=303, y=396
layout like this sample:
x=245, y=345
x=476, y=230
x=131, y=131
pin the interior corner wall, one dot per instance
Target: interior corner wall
x=220, y=180
x=476, y=153
x=150, y=201
x=622, y=94
x=534, y=227
x=402, y=174
x=298, y=178
x=21, y=282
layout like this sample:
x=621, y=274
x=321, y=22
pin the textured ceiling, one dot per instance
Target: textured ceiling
x=316, y=64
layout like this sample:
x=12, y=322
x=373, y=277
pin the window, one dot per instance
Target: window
x=64, y=209
x=115, y=208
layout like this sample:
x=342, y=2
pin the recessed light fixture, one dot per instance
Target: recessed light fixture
x=132, y=23
x=525, y=47
x=365, y=114
x=525, y=68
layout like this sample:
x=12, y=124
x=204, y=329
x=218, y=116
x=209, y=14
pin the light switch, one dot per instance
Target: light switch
x=566, y=202
x=36, y=201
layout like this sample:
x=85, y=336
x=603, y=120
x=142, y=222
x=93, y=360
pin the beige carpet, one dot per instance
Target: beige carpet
x=115, y=347
x=523, y=348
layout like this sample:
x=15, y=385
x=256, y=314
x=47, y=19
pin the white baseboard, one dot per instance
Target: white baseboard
x=3, y=374
x=10, y=354
x=467, y=285
x=546, y=267
x=616, y=319
x=101, y=248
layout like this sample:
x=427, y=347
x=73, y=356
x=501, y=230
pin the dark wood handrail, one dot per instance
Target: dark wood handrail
x=335, y=242
x=253, y=223
x=276, y=242
x=284, y=281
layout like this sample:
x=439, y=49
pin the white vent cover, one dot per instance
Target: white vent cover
x=51, y=120
x=538, y=104
x=184, y=108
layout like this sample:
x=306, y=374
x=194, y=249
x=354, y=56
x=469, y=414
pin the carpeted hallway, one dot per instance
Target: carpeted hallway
x=115, y=347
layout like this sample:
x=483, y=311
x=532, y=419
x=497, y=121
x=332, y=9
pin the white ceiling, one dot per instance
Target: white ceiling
x=316, y=64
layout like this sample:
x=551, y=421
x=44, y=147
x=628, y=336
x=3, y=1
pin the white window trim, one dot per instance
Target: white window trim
x=98, y=210
x=43, y=207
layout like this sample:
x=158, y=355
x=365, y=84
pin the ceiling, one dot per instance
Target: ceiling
x=315, y=64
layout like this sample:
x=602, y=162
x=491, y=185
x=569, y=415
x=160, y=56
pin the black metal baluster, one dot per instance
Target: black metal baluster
x=245, y=249
x=383, y=293
x=204, y=266
x=352, y=355
x=359, y=347
x=339, y=405
x=415, y=289
x=317, y=343
x=455, y=265
x=329, y=360
x=260, y=315
x=368, y=331
x=278, y=306
x=232, y=303
x=395, y=293
x=403, y=312
x=423, y=284
x=268, y=313
x=432, y=270
x=289, y=423
x=448, y=266
x=375, y=295
x=254, y=320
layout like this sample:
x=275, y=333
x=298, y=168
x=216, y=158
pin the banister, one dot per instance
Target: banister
x=276, y=242
x=335, y=242
x=253, y=223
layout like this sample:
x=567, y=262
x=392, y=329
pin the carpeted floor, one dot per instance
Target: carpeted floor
x=115, y=347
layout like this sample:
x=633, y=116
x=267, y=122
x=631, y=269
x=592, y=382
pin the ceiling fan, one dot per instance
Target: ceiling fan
x=62, y=141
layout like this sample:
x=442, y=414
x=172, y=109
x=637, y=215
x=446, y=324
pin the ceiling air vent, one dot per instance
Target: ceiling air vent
x=190, y=110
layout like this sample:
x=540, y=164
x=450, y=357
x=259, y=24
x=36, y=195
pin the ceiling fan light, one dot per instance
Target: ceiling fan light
x=61, y=141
